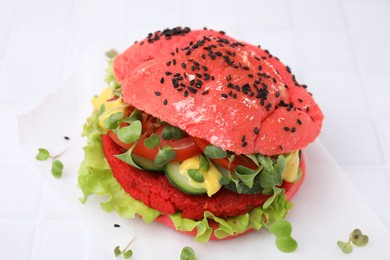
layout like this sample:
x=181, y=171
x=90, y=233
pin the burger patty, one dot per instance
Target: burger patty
x=154, y=189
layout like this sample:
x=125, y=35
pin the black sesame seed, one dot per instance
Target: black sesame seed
x=286, y=128
x=157, y=93
x=117, y=225
x=66, y=138
x=256, y=130
x=192, y=89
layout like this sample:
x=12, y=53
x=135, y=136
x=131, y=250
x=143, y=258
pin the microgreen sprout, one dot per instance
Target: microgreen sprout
x=214, y=152
x=187, y=253
x=356, y=237
x=56, y=167
x=164, y=155
x=127, y=253
x=282, y=230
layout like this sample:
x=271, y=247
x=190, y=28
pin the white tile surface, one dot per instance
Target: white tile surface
x=20, y=191
x=7, y=11
x=367, y=15
x=338, y=47
x=49, y=246
x=370, y=48
x=328, y=50
x=5, y=33
x=10, y=149
x=378, y=85
x=40, y=41
x=46, y=10
x=30, y=82
x=308, y=14
x=339, y=93
x=352, y=141
x=263, y=14
x=16, y=239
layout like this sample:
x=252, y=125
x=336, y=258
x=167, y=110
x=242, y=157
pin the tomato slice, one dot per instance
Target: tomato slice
x=184, y=147
x=224, y=162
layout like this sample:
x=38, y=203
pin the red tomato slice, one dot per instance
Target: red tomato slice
x=224, y=162
x=184, y=147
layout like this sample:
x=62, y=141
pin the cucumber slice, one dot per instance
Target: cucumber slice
x=145, y=163
x=172, y=173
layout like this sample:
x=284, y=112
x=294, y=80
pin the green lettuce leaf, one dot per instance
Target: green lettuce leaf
x=254, y=219
x=95, y=178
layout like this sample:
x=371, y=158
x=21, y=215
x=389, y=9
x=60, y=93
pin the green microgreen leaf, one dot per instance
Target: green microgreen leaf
x=246, y=175
x=266, y=162
x=214, y=152
x=345, y=246
x=56, y=168
x=134, y=116
x=164, y=155
x=171, y=132
x=152, y=141
x=357, y=238
x=126, y=157
x=43, y=154
x=111, y=54
x=187, y=253
x=286, y=244
x=128, y=254
x=113, y=120
x=271, y=199
x=282, y=230
x=268, y=180
x=131, y=133
x=117, y=251
x=196, y=175
x=204, y=163
x=280, y=165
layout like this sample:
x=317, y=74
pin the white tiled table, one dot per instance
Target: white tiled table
x=339, y=48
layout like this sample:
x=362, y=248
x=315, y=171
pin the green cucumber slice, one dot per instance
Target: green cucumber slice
x=172, y=173
x=145, y=163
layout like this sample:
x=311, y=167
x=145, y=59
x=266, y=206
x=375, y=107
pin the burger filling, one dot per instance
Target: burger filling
x=191, y=164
